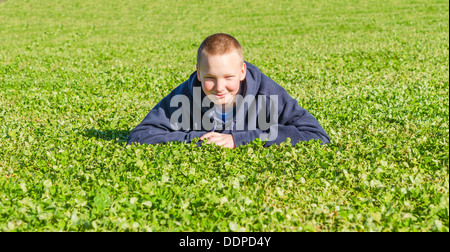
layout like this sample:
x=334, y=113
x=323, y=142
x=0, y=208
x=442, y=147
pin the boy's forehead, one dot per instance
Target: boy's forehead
x=215, y=62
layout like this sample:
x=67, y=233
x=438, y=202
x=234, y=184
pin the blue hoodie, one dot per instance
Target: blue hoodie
x=286, y=119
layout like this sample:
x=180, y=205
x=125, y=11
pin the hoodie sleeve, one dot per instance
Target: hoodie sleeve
x=156, y=126
x=153, y=130
x=294, y=122
x=301, y=127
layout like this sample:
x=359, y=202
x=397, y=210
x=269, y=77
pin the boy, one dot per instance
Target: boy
x=229, y=102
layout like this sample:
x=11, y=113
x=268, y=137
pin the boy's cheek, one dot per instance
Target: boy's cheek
x=208, y=85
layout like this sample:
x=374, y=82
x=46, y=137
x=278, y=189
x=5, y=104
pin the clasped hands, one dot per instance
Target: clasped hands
x=224, y=140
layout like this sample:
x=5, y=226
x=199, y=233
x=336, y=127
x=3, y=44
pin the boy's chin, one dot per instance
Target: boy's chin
x=226, y=101
x=225, y=105
x=219, y=102
x=222, y=102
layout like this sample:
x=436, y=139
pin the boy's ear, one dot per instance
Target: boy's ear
x=243, y=71
x=198, y=74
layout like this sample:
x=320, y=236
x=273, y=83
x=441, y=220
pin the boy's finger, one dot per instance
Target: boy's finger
x=208, y=135
x=217, y=139
x=221, y=141
x=205, y=136
x=213, y=138
x=209, y=139
x=224, y=143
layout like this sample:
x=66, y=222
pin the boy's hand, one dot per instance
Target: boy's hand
x=224, y=140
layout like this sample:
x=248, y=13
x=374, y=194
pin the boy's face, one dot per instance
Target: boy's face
x=220, y=76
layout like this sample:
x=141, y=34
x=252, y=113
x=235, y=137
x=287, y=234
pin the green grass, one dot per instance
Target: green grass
x=77, y=76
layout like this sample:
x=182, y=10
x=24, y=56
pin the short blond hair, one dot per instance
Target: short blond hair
x=219, y=44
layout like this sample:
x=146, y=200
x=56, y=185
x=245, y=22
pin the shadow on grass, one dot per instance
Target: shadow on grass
x=119, y=136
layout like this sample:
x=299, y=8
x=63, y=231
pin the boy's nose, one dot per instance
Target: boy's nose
x=220, y=86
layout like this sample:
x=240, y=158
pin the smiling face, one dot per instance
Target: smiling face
x=220, y=76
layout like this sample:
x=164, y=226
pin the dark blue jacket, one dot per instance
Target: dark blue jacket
x=292, y=120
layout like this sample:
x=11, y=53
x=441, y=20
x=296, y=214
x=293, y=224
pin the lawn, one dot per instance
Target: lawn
x=77, y=76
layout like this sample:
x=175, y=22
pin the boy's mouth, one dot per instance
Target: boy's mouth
x=220, y=95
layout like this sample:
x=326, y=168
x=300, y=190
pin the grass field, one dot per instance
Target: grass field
x=77, y=76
